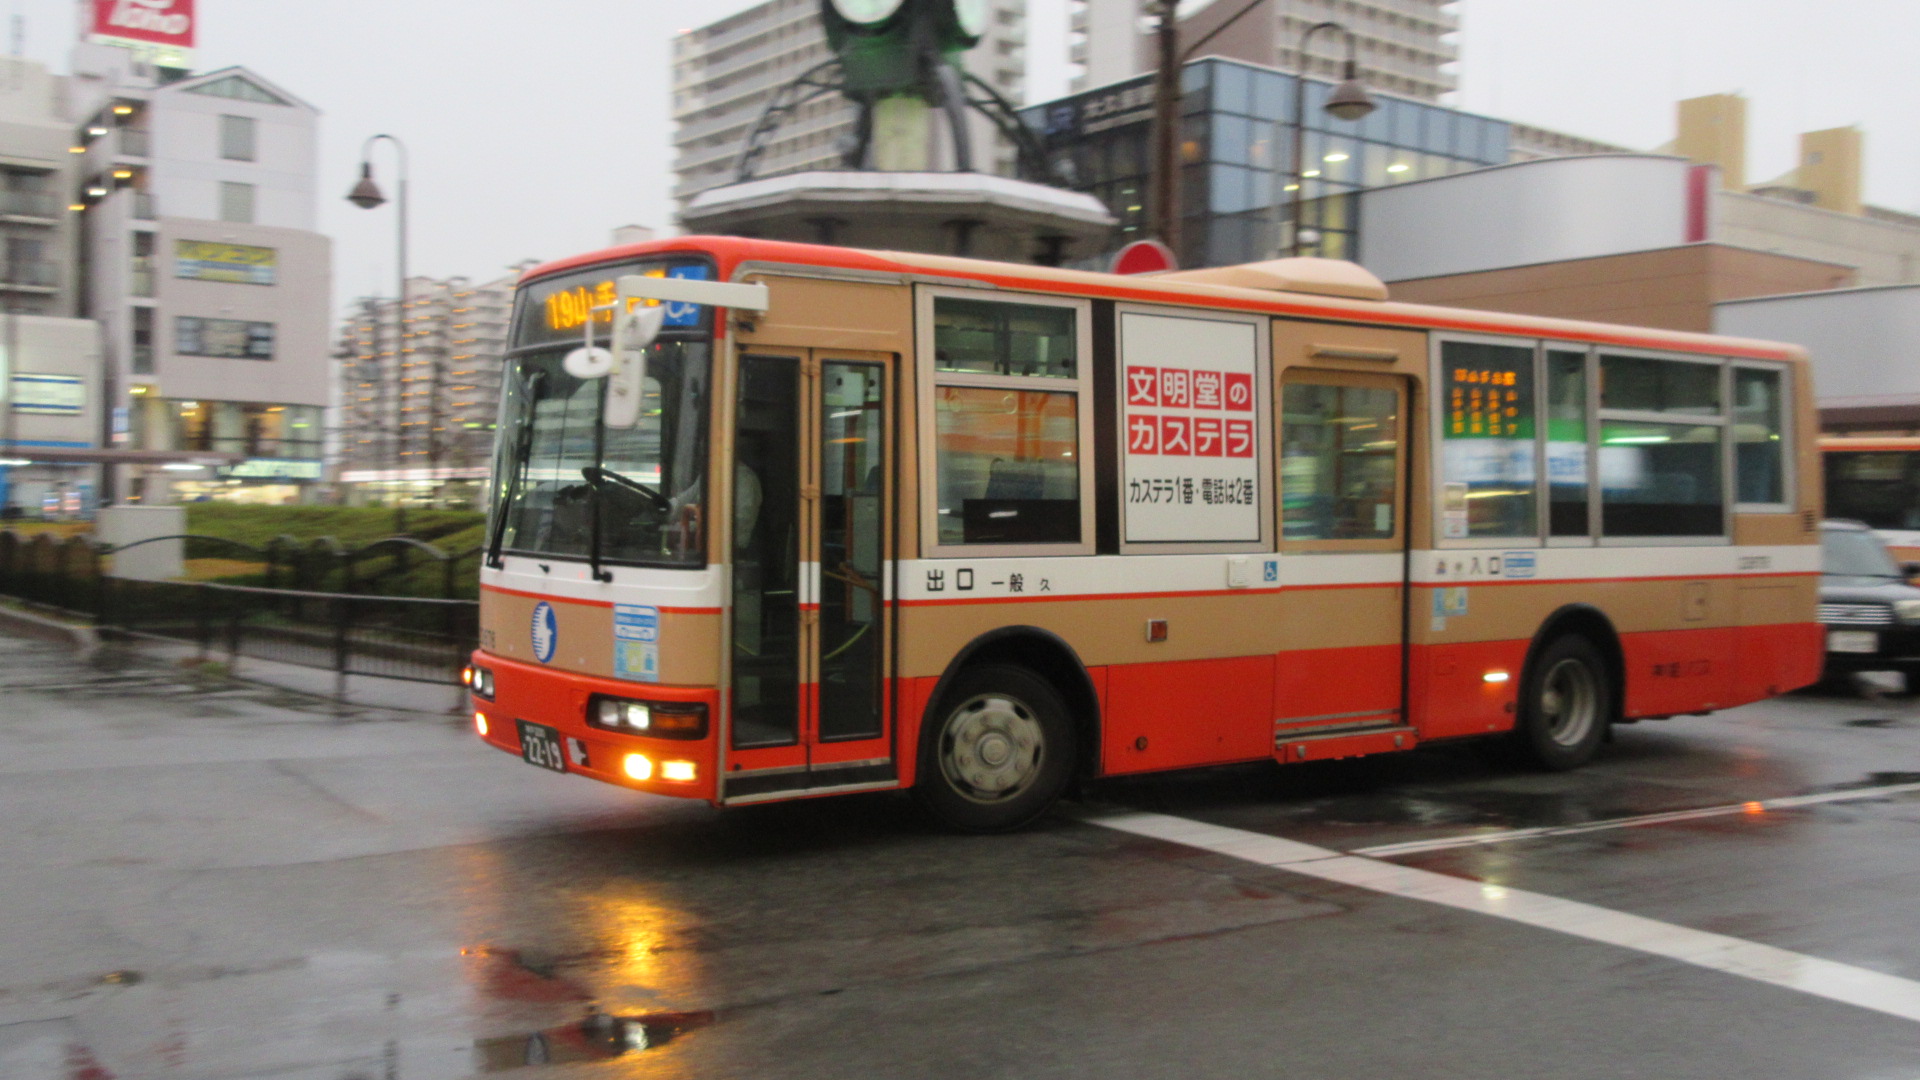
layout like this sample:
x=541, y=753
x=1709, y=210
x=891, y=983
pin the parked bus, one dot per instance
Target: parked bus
x=1876, y=481
x=803, y=520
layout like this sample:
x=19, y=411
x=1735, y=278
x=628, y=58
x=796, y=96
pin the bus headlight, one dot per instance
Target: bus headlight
x=1908, y=611
x=480, y=681
x=660, y=719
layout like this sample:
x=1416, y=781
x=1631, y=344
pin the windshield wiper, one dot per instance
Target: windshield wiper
x=522, y=453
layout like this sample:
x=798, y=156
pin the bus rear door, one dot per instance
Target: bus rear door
x=1342, y=665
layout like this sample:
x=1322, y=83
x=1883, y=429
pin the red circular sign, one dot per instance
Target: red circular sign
x=1144, y=257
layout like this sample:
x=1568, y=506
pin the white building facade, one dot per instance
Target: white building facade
x=207, y=276
x=49, y=360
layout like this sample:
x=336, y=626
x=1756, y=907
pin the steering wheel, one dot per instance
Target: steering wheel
x=596, y=475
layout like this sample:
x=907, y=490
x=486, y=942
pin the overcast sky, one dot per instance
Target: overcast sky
x=536, y=126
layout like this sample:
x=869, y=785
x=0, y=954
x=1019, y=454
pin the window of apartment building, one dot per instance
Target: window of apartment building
x=27, y=262
x=236, y=202
x=142, y=280
x=257, y=430
x=143, y=341
x=230, y=339
x=27, y=193
x=237, y=138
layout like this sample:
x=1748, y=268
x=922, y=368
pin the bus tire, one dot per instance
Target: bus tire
x=1566, y=704
x=996, y=750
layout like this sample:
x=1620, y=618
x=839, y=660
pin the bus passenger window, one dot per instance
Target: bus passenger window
x=1009, y=466
x=1338, y=475
x=1488, y=442
x=1566, y=443
x=1758, y=459
x=1643, y=384
x=1877, y=487
x=987, y=337
x=1660, y=476
x=1660, y=479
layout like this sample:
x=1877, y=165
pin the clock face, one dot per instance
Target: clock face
x=866, y=12
x=972, y=16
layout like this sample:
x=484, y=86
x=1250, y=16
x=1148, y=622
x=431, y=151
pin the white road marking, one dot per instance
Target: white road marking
x=1415, y=847
x=1828, y=979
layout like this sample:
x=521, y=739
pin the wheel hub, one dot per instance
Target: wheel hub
x=1569, y=702
x=992, y=748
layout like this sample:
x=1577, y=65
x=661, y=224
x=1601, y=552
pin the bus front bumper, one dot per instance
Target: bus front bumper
x=529, y=696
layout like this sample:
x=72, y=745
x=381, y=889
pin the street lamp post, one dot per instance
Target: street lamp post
x=366, y=195
x=1348, y=101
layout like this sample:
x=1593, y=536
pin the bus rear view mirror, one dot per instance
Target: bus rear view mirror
x=634, y=331
x=588, y=362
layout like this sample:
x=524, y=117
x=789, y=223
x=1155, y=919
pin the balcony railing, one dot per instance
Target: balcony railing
x=143, y=208
x=36, y=204
x=32, y=273
x=133, y=143
x=142, y=275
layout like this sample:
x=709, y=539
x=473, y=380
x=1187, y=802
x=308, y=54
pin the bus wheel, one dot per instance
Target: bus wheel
x=996, y=752
x=1565, y=705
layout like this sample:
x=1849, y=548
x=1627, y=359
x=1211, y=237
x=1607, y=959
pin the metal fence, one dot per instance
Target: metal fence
x=425, y=639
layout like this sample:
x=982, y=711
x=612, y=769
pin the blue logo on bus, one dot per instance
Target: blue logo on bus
x=683, y=314
x=546, y=631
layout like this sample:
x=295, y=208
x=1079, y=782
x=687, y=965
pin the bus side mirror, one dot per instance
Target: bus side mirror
x=634, y=331
x=1911, y=569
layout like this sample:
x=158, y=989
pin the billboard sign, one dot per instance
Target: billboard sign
x=1192, y=422
x=49, y=395
x=238, y=264
x=159, y=31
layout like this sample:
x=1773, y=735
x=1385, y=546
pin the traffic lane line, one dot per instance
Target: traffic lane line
x=1789, y=802
x=1829, y=979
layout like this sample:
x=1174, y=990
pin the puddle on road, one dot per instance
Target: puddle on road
x=598, y=1037
x=511, y=975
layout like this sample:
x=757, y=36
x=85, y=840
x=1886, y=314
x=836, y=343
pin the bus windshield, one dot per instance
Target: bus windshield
x=558, y=470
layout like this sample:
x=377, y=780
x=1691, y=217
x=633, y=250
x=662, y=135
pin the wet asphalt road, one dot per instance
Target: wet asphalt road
x=210, y=880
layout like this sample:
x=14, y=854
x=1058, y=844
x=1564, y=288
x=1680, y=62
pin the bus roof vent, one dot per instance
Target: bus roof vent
x=1323, y=277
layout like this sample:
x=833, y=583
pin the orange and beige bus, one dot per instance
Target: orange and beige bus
x=1876, y=480
x=774, y=520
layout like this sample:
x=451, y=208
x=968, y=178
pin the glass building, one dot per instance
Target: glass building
x=1235, y=144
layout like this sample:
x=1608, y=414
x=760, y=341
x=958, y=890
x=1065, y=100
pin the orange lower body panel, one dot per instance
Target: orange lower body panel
x=558, y=699
x=1185, y=713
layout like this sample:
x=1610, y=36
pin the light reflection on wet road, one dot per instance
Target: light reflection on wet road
x=207, y=881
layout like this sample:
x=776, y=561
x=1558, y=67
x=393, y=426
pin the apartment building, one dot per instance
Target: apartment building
x=429, y=441
x=49, y=385
x=196, y=198
x=725, y=73
x=1401, y=46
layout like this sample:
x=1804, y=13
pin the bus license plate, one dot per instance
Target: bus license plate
x=1853, y=641
x=540, y=745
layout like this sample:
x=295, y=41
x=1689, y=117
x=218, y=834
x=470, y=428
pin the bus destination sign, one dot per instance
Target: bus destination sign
x=557, y=310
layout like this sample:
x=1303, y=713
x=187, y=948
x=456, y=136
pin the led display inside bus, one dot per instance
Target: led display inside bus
x=556, y=310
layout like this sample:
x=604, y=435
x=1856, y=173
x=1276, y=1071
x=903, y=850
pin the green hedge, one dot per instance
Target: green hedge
x=351, y=525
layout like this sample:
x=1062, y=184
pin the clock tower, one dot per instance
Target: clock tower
x=909, y=176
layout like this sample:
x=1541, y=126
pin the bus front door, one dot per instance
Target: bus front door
x=810, y=594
